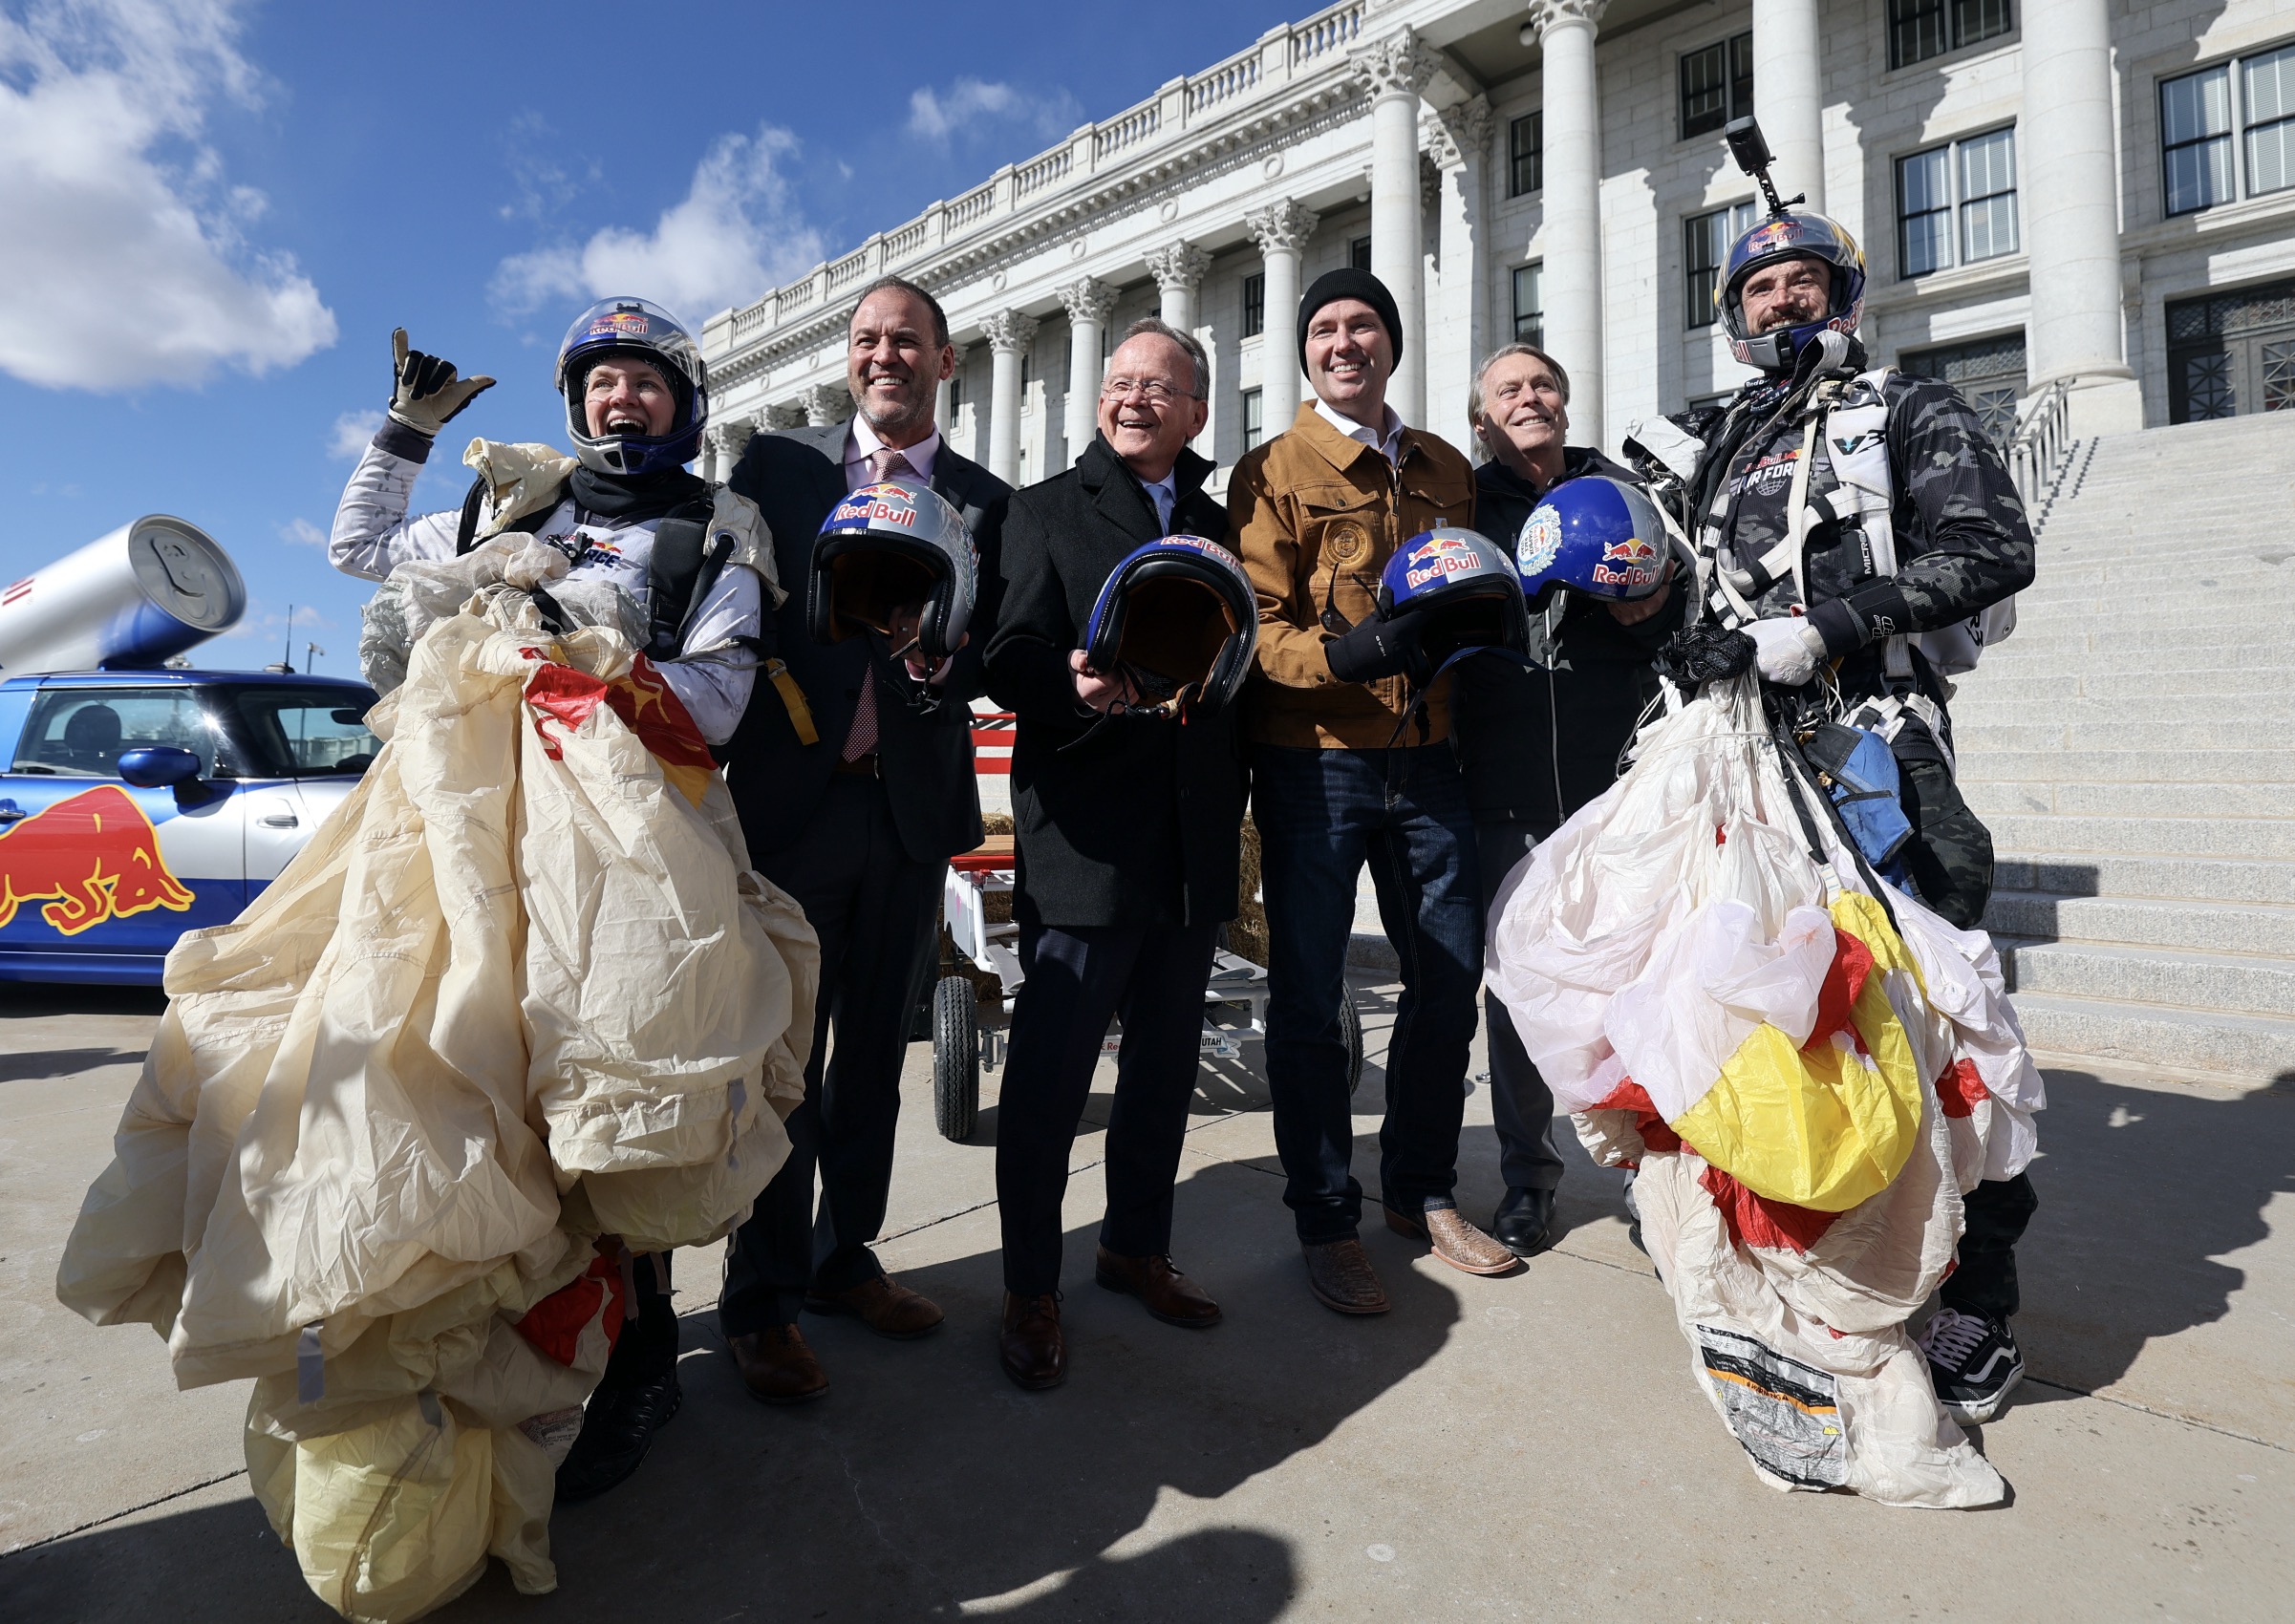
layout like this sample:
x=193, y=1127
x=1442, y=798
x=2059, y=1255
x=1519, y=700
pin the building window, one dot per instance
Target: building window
x=1254, y=305
x=1526, y=154
x=1717, y=85
x=2197, y=119
x=1255, y=427
x=1973, y=182
x=2231, y=353
x=1704, y=247
x=1988, y=371
x=1921, y=29
x=1359, y=253
x=1529, y=304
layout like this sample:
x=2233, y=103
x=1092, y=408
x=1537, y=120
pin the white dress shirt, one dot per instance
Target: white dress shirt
x=1387, y=439
x=861, y=443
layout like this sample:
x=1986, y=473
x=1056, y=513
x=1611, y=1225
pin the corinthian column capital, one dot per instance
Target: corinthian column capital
x=1398, y=65
x=1178, y=267
x=1088, y=301
x=827, y=403
x=1547, y=14
x=1461, y=133
x=1009, y=332
x=1282, y=227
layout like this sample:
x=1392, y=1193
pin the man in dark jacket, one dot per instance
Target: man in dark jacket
x=854, y=787
x=1128, y=835
x=1538, y=743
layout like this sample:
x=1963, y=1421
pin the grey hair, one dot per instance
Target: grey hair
x=1502, y=352
x=1148, y=326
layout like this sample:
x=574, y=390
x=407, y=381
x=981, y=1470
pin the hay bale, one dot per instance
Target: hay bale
x=1247, y=931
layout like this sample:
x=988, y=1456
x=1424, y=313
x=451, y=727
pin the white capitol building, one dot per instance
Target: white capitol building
x=2094, y=192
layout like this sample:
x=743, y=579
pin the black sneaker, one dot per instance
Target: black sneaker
x=1973, y=1362
x=638, y=1396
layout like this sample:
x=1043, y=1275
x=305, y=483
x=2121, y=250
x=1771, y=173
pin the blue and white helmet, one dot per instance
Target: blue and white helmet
x=1179, y=617
x=1791, y=234
x=1594, y=535
x=886, y=547
x=1465, y=586
x=644, y=331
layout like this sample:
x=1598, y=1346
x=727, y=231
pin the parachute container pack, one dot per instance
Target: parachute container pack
x=1808, y=1068
x=518, y=1010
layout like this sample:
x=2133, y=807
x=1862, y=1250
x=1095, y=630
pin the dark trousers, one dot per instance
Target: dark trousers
x=1985, y=1282
x=1521, y=1104
x=1321, y=815
x=1076, y=979
x=874, y=909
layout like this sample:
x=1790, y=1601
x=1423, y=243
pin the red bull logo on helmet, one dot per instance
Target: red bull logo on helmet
x=876, y=504
x=1439, y=556
x=621, y=324
x=96, y=854
x=1633, y=549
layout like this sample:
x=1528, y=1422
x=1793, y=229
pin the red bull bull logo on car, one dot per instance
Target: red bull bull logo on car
x=1439, y=556
x=96, y=854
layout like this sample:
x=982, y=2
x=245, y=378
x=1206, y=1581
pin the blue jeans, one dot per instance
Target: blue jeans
x=1321, y=815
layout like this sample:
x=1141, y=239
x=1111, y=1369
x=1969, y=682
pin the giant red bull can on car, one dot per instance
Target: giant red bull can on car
x=150, y=590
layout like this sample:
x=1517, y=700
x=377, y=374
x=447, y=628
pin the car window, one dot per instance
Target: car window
x=297, y=733
x=80, y=732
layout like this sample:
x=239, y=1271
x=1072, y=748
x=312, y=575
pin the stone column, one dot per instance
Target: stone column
x=1789, y=89
x=1178, y=272
x=1457, y=304
x=1572, y=233
x=1281, y=232
x=827, y=403
x=1395, y=70
x=944, y=399
x=1090, y=305
x=2069, y=192
x=1009, y=332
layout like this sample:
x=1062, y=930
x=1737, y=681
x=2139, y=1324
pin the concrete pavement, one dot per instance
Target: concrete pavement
x=1529, y=1447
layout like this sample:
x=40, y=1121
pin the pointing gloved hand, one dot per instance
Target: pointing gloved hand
x=1787, y=649
x=1378, y=647
x=425, y=393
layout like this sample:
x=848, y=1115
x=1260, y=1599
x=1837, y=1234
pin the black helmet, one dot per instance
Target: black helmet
x=1179, y=617
x=886, y=544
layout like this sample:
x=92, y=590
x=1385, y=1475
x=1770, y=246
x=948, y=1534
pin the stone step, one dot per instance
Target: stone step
x=2190, y=737
x=2263, y=838
x=2141, y=922
x=2180, y=978
x=1990, y=797
x=2129, y=766
x=2035, y=685
x=2171, y=1043
x=2270, y=704
x=2226, y=614
x=2139, y=650
x=2114, y=589
x=2111, y=874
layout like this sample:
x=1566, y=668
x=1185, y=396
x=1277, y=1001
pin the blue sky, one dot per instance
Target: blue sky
x=216, y=212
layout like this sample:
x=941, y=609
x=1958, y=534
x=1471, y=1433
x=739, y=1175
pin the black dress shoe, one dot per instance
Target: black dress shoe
x=1525, y=1222
x=637, y=1396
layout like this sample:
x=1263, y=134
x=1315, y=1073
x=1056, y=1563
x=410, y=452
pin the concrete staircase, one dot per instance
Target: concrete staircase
x=2133, y=750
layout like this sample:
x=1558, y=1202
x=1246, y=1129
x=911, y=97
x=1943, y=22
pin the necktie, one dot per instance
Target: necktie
x=884, y=462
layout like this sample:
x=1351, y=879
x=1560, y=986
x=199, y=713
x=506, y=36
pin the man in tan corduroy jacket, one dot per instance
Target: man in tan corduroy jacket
x=1344, y=771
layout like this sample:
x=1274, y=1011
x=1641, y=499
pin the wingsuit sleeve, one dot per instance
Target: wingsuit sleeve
x=372, y=532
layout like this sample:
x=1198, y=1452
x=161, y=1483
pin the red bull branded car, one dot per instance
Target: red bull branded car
x=139, y=804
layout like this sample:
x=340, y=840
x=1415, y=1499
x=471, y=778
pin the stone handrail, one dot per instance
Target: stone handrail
x=2041, y=447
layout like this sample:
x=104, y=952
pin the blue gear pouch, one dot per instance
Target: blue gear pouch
x=1861, y=773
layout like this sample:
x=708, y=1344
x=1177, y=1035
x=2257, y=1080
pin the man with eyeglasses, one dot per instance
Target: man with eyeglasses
x=1347, y=768
x=1129, y=838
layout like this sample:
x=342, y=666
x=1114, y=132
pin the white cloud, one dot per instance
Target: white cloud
x=120, y=231
x=302, y=533
x=737, y=232
x=969, y=104
x=348, y=439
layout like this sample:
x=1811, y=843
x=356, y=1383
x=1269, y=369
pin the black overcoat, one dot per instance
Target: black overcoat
x=1122, y=821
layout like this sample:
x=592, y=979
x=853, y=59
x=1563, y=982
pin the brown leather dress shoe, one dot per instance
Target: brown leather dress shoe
x=1035, y=1355
x=1167, y=1295
x=1340, y=1274
x=777, y=1367
x=1455, y=1240
x=884, y=1305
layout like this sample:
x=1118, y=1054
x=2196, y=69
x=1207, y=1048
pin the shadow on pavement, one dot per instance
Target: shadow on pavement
x=65, y=997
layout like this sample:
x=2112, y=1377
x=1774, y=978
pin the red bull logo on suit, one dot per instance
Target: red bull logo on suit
x=96, y=854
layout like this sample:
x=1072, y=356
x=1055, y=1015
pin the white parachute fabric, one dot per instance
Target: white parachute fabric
x=1808, y=1075
x=519, y=996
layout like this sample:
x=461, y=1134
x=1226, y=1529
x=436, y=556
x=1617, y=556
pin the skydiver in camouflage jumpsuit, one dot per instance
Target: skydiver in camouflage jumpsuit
x=1792, y=293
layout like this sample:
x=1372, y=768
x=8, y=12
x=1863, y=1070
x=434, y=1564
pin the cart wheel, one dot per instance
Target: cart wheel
x=1350, y=1034
x=956, y=1057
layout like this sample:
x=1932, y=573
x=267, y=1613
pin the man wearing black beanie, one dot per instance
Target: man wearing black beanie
x=1344, y=773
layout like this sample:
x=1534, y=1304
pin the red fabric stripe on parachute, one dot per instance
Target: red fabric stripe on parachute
x=1631, y=1096
x=1844, y=980
x=1756, y=1221
x=554, y=1325
x=1960, y=1089
x=645, y=703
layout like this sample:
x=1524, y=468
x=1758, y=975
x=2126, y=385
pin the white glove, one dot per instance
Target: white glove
x=1787, y=649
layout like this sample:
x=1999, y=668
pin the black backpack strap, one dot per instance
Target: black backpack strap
x=474, y=506
x=684, y=566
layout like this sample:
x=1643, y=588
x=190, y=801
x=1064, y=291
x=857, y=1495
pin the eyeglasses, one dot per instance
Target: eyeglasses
x=1155, y=389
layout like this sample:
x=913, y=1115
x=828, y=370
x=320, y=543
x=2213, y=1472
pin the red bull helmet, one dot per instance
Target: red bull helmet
x=886, y=546
x=1790, y=234
x=1179, y=617
x=1466, y=587
x=646, y=332
x=1595, y=535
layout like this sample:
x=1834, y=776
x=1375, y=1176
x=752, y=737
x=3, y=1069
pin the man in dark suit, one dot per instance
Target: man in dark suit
x=857, y=823
x=1129, y=836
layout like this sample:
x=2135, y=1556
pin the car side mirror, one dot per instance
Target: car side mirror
x=158, y=767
